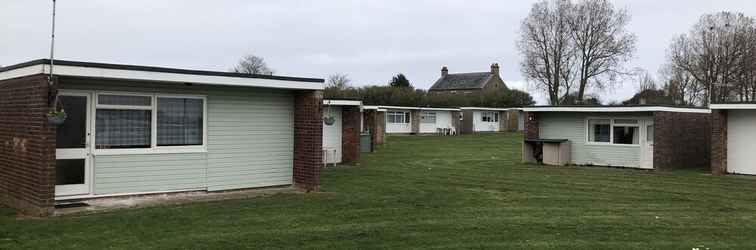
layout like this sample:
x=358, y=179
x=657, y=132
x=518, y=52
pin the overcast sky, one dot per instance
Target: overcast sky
x=368, y=40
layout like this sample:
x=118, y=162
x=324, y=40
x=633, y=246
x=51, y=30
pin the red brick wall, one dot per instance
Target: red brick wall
x=350, y=134
x=27, y=146
x=719, y=142
x=681, y=140
x=308, y=139
x=531, y=125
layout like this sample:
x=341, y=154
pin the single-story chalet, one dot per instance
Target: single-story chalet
x=342, y=123
x=418, y=120
x=646, y=137
x=138, y=130
x=479, y=119
x=733, y=138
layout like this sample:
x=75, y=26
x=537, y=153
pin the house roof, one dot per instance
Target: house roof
x=475, y=80
x=620, y=109
x=733, y=106
x=150, y=73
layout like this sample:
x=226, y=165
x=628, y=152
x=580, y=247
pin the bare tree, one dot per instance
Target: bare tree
x=602, y=44
x=254, y=65
x=718, y=54
x=338, y=81
x=646, y=81
x=547, y=50
x=681, y=86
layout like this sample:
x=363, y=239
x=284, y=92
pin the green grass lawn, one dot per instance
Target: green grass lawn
x=435, y=192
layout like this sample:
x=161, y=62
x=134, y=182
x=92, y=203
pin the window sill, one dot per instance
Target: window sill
x=148, y=151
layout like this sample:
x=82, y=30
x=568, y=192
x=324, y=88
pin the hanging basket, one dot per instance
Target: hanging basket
x=329, y=120
x=57, y=118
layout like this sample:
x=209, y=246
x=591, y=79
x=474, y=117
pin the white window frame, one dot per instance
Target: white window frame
x=494, y=115
x=154, y=148
x=428, y=114
x=612, y=123
x=404, y=117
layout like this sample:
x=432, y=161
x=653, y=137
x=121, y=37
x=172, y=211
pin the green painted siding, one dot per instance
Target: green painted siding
x=571, y=126
x=250, y=143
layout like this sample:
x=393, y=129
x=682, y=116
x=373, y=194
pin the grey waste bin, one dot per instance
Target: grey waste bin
x=366, y=145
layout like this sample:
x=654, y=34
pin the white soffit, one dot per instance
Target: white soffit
x=130, y=74
x=419, y=108
x=617, y=109
x=342, y=102
x=733, y=106
x=484, y=109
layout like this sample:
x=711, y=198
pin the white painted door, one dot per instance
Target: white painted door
x=73, y=164
x=647, y=145
x=741, y=141
x=332, y=135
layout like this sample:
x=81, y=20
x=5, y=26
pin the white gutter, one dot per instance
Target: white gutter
x=733, y=106
x=617, y=109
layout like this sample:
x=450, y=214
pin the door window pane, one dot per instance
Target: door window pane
x=117, y=128
x=73, y=132
x=650, y=133
x=68, y=172
x=179, y=121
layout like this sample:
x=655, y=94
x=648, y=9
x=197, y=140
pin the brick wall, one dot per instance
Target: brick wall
x=719, y=142
x=27, y=146
x=531, y=125
x=308, y=139
x=350, y=134
x=415, y=121
x=681, y=140
x=467, y=122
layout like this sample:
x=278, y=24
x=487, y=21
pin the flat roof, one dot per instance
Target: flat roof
x=419, y=108
x=733, y=106
x=373, y=107
x=332, y=102
x=484, y=108
x=610, y=109
x=162, y=74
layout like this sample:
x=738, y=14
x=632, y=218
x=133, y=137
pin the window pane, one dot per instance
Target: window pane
x=127, y=100
x=428, y=118
x=598, y=130
x=73, y=132
x=625, y=135
x=650, y=133
x=68, y=172
x=406, y=117
x=179, y=122
x=123, y=128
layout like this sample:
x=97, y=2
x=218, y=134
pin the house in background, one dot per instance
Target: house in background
x=468, y=83
x=646, y=137
x=480, y=119
x=342, y=124
x=733, y=138
x=417, y=120
x=139, y=130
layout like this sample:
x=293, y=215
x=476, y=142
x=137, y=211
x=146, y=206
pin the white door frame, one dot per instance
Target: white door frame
x=78, y=153
x=647, y=147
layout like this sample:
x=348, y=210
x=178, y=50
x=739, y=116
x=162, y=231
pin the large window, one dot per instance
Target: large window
x=613, y=131
x=123, y=121
x=398, y=117
x=428, y=117
x=489, y=116
x=148, y=122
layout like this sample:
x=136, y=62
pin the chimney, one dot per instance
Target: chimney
x=495, y=68
x=444, y=71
